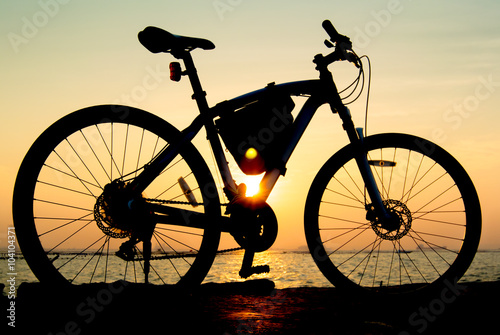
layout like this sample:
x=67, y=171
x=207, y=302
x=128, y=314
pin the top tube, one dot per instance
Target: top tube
x=295, y=88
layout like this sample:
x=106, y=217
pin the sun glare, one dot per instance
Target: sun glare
x=252, y=183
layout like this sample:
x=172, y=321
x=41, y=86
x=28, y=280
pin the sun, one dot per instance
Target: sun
x=252, y=183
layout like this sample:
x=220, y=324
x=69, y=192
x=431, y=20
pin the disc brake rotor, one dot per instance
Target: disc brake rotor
x=399, y=225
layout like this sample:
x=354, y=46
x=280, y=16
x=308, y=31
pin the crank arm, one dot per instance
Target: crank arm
x=247, y=268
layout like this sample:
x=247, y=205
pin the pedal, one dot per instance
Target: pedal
x=247, y=269
x=254, y=270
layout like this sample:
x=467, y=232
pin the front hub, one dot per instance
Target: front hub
x=396, y=226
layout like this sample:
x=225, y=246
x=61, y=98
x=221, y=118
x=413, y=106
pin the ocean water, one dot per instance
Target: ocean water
x=297, y=269
x=289, y=269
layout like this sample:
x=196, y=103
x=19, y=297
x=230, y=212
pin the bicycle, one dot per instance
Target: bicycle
x=388, y=212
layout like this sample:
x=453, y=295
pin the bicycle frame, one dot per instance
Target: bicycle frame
x=96, y=177
x=320, y=91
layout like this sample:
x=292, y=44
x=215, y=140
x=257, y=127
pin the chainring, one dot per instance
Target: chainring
x=256, y=228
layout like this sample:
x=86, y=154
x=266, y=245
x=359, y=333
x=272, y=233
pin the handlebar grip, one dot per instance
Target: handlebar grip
x=330, y=30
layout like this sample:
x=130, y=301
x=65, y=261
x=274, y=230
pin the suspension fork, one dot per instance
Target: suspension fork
x=360, y=154
x=332, y=96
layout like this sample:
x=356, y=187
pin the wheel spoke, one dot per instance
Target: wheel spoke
x=94, y=231
x=70, y=221
x=95, y=155
x=424, y=237
x=69, y=236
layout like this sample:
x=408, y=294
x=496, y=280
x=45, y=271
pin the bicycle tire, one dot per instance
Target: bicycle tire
x=438, y=207
x=65, y=171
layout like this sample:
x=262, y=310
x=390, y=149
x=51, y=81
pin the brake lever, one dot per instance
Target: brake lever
x=353, y=58
x=344, y=52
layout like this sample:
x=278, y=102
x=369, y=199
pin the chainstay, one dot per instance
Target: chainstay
x=175, y=202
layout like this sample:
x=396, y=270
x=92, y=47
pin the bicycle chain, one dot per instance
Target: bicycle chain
x=175, y=202
x=189, y=255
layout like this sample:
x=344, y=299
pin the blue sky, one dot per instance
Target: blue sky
x=436, y=74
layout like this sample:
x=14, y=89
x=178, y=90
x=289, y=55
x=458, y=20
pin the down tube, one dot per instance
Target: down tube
x=299, y=127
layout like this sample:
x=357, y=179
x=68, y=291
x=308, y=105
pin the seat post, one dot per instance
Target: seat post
x=198, y=94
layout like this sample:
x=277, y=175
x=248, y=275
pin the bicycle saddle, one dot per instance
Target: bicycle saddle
x=158, y=40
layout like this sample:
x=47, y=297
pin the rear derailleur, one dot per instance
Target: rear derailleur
x=254, y=227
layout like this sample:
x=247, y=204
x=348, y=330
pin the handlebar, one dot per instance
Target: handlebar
x=330, y=30
x=343, y=45
x=334, y=35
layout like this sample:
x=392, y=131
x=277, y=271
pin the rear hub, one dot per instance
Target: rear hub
x=119, y=211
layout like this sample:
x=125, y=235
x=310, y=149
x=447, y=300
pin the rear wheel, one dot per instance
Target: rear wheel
x=436, y=224
x=59, y=204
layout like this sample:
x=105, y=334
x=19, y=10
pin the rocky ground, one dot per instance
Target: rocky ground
x=252, y=307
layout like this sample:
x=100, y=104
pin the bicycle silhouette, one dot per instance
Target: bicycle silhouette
x=113, y=192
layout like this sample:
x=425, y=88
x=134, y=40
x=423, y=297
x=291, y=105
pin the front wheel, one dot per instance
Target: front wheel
x=58, y=202
x=436, y=205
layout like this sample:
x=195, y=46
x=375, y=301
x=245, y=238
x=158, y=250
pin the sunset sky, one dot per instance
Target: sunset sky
x=435, y=67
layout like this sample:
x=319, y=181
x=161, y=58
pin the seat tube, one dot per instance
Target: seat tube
x=199, y=95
